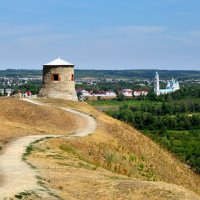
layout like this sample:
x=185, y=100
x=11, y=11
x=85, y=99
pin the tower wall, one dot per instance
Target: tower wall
x=63, y=88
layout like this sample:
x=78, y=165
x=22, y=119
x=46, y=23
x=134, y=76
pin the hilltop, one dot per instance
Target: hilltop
x=20, y=118
x=116, y=162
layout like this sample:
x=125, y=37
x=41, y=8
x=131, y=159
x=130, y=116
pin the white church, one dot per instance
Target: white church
x=172, y=86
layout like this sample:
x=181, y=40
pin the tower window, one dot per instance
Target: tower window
x=72, y=77
x=55, y=77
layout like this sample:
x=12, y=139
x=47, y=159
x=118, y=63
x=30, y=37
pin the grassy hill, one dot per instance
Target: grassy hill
x=117, y=162
x=19, y=118
x=134, y=164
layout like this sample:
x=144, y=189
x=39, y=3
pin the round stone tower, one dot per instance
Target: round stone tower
x=58, y=80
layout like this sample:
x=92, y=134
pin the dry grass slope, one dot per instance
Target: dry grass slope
x=20, y=118
x=73, y=178
x=117, y=162
x=121, y=149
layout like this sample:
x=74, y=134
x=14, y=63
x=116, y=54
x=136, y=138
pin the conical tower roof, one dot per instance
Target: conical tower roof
x=58, y=62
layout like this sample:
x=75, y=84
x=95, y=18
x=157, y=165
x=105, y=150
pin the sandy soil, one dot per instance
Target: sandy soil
x=17, y=175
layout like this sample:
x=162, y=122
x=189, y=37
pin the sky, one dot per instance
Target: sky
x=101, y=34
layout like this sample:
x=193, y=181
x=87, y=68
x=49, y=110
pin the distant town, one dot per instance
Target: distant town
x=105, y=86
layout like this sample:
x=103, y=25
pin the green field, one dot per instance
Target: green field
x=116, y=103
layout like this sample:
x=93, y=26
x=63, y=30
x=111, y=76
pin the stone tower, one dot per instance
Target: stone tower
x=58, y=80
x=157, y=85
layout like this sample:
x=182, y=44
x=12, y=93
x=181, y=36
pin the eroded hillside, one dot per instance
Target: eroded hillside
x=116, y=162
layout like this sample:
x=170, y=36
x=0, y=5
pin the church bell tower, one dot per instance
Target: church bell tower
x=157, y=84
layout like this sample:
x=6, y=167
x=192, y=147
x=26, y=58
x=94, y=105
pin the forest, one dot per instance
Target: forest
x=113, y=74
x=136, y=73
x=172, y=120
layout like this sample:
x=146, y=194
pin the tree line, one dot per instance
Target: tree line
x=182, y=115
x=174, y=124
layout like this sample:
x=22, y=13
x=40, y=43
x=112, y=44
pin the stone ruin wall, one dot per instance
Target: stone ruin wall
x=64, y=88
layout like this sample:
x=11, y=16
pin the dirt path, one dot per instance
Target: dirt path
x=17, y=175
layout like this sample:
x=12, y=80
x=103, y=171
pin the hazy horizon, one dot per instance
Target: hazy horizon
x=110, y=69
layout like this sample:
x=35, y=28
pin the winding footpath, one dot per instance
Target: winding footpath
x=17, y=175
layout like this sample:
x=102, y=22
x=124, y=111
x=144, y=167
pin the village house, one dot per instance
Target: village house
x=131, y=93
x=137, y=93
x=105, y=93
x=83, y=92
x=95, y=95
x=6, y=92
x=127, y=92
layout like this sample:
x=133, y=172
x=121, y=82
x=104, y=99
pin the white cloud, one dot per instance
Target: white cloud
x=187, y=13
x=44, y=39
x=135, y=29
x=14, y=30
x=195, y=33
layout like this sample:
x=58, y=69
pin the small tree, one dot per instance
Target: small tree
x=120, y=97
x=98, y=98
x=5, y=92
x=80, y=96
